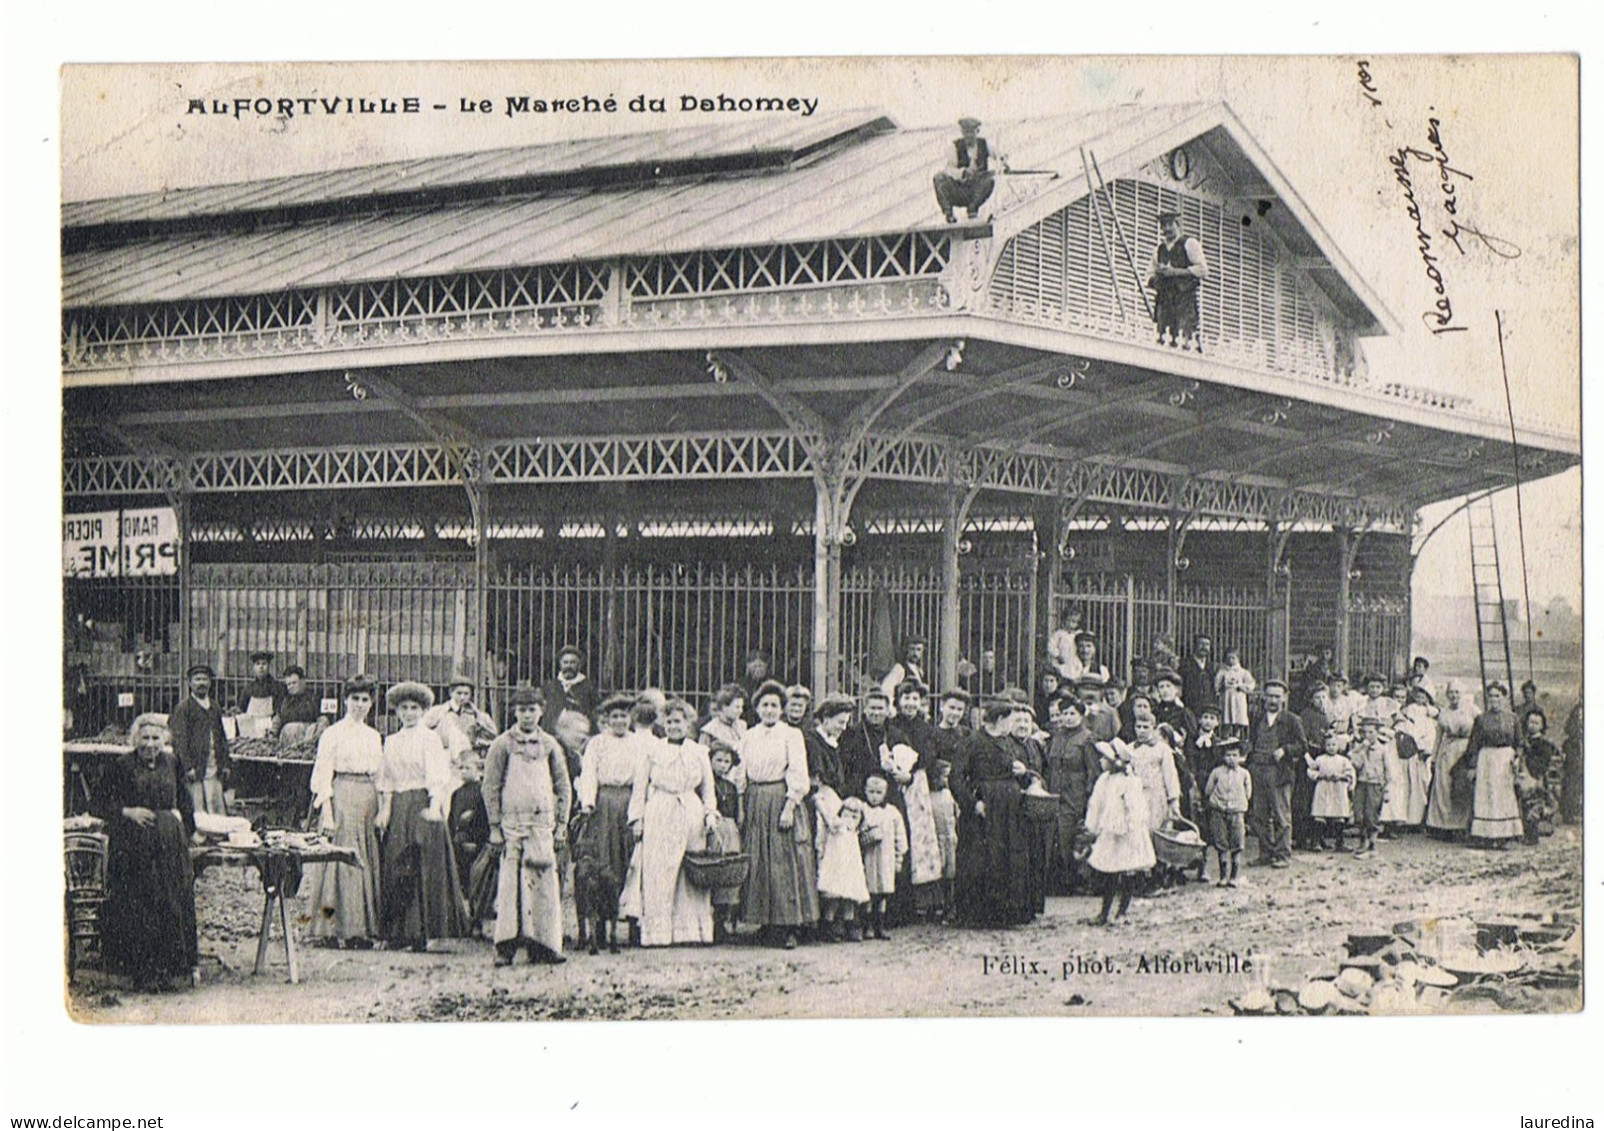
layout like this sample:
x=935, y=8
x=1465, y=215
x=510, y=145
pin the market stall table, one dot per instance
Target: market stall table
x=280, y=867
x=272, y=779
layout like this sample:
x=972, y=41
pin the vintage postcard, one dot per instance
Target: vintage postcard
x=812, y=538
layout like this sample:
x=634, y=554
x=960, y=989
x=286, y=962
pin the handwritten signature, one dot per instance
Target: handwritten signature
x=1450, y=181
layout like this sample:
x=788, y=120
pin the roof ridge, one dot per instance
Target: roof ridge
x=862, y=116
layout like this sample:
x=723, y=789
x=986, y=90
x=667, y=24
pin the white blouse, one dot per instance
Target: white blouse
x=679, y=768
x=776, y=753
x=610, y=760
x=347, y=747
x=416, y=757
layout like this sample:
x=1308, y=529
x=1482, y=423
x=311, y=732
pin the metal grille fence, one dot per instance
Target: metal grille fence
x=393, y=620
x=685, y=628
x=121, y=638
x=998, y=612
x=1128, y=614
x=1378, y=636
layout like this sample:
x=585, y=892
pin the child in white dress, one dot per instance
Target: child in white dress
x=842, y=885
x=1334, y=778
x=884, y=838
x=1117, y=816
x=1232, y=684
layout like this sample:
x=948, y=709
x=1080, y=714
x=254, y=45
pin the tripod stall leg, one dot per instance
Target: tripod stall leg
x=289, y=936
x=267, y=926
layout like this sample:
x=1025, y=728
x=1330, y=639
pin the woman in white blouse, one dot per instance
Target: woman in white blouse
x=670, y=807
x=780, y=895
x=603, y=790
x=422, y=893
x=345, y=897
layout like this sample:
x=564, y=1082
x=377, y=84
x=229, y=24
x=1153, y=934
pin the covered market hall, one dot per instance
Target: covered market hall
x=675, y=397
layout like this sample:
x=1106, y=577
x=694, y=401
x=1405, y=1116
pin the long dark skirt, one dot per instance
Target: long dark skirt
x=345, y=898
x=149, y=926
x=1570, y=792
x=781, y=888
x=1039, y=838
x=422, y=890
x=1305, y=829
x=995, y=886
x=608, y=840
x=1062, y=835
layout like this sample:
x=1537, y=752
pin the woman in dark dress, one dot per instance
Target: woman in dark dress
x=1491, y=753
x=149, y=926
x=994, y=862
x=1570, y=793
x=1029, y=750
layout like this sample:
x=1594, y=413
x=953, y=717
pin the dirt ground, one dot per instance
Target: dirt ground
x=1283, y=924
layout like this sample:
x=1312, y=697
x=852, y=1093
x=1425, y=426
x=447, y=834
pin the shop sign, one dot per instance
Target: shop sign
x=132, y=543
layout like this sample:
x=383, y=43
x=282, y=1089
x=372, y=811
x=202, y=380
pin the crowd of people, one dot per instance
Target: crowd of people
x=848, y=818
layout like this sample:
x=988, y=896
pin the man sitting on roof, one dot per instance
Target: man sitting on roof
x=968, y=181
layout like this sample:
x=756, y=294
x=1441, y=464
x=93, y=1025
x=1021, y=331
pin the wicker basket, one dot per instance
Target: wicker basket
x=1178, y=843
x=1040, y=807
x=709, y=870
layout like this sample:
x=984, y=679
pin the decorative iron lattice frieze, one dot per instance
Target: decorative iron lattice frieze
x=768, y=455
x=513, y=302
x=904, y=255
x=390, y=465
x=897, y=299
x=878, y=276
x=910, y=459
x=757, y=455
x=120, y=475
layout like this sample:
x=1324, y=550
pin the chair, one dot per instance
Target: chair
x=86, y=892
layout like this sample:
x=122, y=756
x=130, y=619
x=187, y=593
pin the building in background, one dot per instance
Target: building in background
x=677, y=397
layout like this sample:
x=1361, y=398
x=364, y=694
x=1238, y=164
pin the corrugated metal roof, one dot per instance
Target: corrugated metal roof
x=753, y=138
x=878, y=185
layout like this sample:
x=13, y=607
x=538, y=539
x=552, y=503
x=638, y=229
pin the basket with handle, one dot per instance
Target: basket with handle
x=1040, y=808
x=710, y=870
x=1178, y=843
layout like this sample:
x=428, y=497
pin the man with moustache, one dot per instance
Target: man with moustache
x=200, y=744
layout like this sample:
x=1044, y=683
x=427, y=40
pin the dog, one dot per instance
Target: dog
x=596, y=891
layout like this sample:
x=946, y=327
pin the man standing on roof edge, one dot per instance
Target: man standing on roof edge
x=1176, y=275
x=968, y=181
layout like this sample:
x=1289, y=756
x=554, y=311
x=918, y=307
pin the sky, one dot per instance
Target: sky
x=127, y=129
